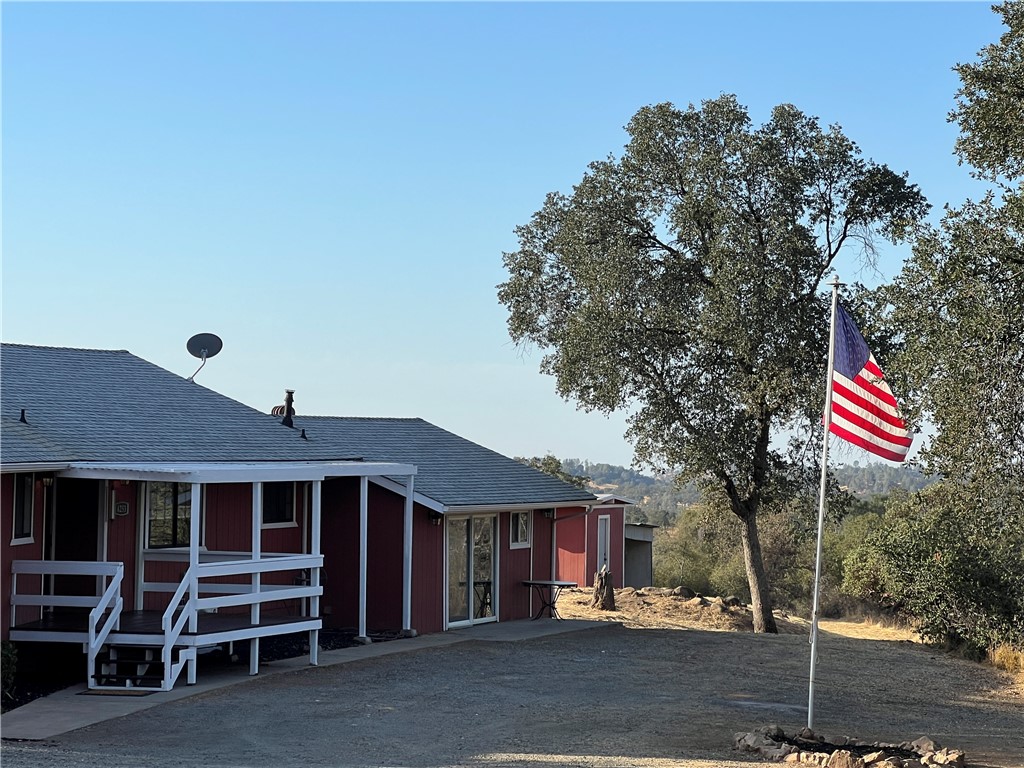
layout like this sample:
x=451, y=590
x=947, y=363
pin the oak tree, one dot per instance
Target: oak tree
x=681, y=281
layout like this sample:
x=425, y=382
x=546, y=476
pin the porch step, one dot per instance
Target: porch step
x=131, y=666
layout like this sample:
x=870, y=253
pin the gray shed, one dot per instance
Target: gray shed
x=639, y=555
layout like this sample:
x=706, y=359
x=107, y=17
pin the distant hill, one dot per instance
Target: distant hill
x=659, y=500
x=877, y=479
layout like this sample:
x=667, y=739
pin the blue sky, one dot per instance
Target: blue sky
x=330, y=186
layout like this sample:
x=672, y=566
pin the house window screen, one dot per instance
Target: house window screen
x=24, y=491
x=170, y=514
x=278, y=503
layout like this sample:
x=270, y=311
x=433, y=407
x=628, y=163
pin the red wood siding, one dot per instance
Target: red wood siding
x=616, y=535
x=577, y=544
x=571, y=539
x=384, y=550
x=428, y=583
x=123, y=536
x=33, y=551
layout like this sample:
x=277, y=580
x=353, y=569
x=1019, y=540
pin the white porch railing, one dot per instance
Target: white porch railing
x=105, y=615
x=227, y=595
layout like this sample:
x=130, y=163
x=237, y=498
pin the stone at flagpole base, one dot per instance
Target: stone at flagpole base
x=770, y=742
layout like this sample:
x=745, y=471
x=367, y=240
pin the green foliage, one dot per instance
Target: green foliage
x=681, y=282
x=551, y=465
x=875, y=479
x=8, y=667
x=950, y=558
x=990, y=102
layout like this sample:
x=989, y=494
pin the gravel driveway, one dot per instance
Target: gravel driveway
x=604, y=697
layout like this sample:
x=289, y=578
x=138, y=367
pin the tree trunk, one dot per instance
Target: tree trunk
x=604, y=590
x=760, y=598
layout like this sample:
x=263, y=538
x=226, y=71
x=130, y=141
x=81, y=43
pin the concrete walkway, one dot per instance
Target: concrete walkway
x=74, y=708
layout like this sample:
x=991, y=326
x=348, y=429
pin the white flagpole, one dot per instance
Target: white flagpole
x=821, y=500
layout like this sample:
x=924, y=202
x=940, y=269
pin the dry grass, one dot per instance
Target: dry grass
x=639, y=609
x=1007, y=658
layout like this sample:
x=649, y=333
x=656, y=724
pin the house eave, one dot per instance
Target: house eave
x=233, y=472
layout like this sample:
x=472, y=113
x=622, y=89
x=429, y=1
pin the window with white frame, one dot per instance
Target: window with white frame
x=24, y=498
x=520, y=534
x=168, y=514
x=278, y=505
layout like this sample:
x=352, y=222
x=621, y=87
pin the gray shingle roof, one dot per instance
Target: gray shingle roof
x=111, y=406
x=451, y=469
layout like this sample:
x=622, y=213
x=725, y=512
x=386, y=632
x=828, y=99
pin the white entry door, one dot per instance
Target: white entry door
x=604, y=540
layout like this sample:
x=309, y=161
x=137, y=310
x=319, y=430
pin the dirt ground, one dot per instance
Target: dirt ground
x=616, y=696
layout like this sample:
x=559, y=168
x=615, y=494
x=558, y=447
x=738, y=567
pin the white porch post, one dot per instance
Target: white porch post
x=195, y=523
x=410, y=489
x=314, y=576
x=364, y=485
x=254, y=611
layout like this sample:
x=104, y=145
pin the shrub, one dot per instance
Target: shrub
x=9, y=667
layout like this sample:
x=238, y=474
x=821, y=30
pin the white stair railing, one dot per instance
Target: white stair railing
x=172, y=629
x=105, y=609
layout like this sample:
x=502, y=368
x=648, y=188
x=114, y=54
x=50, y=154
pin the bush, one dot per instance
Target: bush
x=8, y=667
x=949, y=558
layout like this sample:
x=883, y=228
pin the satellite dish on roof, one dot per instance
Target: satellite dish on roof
x=203, y=346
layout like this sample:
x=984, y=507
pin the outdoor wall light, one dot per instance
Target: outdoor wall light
x=435, y=517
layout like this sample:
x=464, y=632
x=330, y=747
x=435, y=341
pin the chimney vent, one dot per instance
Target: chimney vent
x=287, y=410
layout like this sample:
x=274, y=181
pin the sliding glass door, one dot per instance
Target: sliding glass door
x=472, y=569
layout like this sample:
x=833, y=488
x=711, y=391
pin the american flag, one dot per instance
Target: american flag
x=864, y=411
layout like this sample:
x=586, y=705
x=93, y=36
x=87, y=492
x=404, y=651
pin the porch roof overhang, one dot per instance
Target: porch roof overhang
x=234, y=472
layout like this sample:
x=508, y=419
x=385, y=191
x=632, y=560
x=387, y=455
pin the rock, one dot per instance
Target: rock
x=873, y=757
x=684, y=592
x=773, y=732
x=808, y=734
x=732, y=601
x=891, y=762
x=717, y=600
x=924, y=745
x=792, y=757
x=697, y=601
x=840, y=741
x=842, y=758
x=948, y=757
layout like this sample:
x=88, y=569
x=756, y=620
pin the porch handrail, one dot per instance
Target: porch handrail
x=265, y=593
x=99, y=629
x=65, y=567
x=263, y=565
x=114, y=570
x=172, y=629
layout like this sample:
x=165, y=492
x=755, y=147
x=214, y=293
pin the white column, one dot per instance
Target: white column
x=194, y=524
x=364, y=486
x=254, y=610
x=314, y=575
x=410, y=490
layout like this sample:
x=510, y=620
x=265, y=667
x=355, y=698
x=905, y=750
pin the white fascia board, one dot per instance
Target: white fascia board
x=611, y=500
x=419, y=498
x=233, y=472
x=37, y=466
x=464, y=508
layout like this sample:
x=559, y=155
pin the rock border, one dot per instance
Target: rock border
x=771, y=742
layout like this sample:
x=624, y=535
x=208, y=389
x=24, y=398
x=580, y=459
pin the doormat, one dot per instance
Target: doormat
x=116, y=692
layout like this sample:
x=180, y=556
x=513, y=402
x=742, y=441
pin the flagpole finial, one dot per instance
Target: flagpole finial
x=835, y=281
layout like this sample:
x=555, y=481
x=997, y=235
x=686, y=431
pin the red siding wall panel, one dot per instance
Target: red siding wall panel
x=29, y=551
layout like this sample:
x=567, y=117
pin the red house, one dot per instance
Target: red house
x=587, y=540
x=147, y=517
